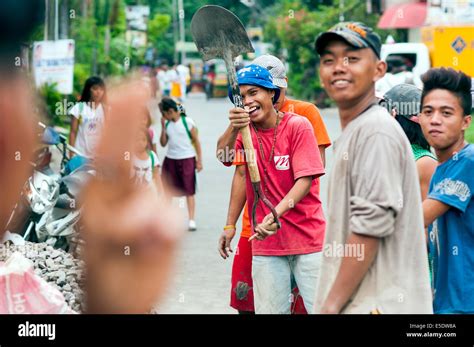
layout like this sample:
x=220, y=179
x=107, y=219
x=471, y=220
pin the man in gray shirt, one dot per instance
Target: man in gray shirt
x=375, y=251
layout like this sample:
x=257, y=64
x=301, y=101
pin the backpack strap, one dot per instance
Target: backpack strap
x=186, y=127
x=150, y=153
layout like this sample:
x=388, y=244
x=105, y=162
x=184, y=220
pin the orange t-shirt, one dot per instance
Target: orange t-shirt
x=311, y=112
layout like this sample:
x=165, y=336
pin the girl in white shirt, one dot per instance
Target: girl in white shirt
x=145, y=163
x=88, y=117
x=183, y=157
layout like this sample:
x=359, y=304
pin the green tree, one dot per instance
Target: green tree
x=158, y=27
x=293, y=29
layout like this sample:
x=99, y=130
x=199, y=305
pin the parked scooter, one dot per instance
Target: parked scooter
x=47, y=210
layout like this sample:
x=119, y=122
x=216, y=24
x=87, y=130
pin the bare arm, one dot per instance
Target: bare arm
x=351, y=272
x=426, y=167
x=73, y=132
x=322, y=151
x=299, y=190
x=268, y=226
x=197, y=146
x=236, y=204
x=432, y=209
x=226, y=140
x=157, y=180
x=239, y=118
x=163, y=136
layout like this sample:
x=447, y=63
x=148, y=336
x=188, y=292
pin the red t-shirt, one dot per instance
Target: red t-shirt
x=295, y=156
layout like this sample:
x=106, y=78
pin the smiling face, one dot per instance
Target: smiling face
x=442, y=119
x=349, y=74
x=259, y=101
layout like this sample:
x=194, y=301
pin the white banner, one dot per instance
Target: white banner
x=53, y=62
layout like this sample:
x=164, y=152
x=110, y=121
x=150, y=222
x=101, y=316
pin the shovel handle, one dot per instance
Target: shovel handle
x=245, y=132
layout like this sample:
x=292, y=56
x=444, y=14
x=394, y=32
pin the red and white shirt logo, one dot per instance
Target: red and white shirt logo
x=282, y=162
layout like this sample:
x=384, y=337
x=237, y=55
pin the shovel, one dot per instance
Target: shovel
x=218, y=33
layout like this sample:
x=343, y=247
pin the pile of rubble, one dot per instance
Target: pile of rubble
x=56, y=267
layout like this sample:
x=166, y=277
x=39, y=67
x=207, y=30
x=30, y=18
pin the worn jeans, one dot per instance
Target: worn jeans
x=272, y=277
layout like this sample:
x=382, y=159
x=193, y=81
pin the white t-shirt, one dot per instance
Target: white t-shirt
x=142, y=170
x=163, y=80
x=179, y=143
x=183, y=74
x=90, y=125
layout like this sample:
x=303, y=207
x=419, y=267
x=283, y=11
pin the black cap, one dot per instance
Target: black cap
x=405, y=98
x=355, y=34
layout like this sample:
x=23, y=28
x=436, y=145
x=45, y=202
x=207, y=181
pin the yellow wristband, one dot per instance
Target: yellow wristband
x=229, y=227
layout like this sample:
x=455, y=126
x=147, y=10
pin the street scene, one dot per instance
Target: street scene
x=292, y=157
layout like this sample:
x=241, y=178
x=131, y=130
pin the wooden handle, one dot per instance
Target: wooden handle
x=238, y=102
x=250, y=154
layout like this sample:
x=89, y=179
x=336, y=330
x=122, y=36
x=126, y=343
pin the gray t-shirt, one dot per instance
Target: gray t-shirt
x=374, y=191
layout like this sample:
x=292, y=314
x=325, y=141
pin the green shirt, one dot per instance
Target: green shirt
x=420, y=152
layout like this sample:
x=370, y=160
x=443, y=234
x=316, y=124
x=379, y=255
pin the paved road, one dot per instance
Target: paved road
x=202, y=278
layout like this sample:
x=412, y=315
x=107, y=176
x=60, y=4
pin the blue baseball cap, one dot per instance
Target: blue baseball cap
x=255, y=75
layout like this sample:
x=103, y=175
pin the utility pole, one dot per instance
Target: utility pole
x=64, y=19
x=51, y=20
x=175, y=30
x=56, y=20
x=182, y=36
x=341, y=9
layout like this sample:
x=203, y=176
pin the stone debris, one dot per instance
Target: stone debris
x=57, y=267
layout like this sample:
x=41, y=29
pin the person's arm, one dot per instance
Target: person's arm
x=163, y=136
x=268, y=226
x=433, y=209
x=73, y=132
x=236, y=204
x=351, y=272
x=322, y=151
x=239, y=118
x=197, y=146
x=157, y=179
x=426, y=167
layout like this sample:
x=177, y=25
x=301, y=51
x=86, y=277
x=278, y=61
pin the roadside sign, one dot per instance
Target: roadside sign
x=53, y=62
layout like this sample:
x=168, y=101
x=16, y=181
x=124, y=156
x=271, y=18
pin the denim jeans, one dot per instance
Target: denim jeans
x=272, y=277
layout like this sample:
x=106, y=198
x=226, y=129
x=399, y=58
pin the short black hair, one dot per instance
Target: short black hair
x=413, y=132
x=168, y=104
x=451, y=80
x=90, y=82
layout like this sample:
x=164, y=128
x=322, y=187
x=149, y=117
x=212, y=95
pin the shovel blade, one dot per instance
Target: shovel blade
x=217, y=32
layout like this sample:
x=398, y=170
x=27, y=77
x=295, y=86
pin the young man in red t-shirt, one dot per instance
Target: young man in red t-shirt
x=288, y=162
x=241, y=288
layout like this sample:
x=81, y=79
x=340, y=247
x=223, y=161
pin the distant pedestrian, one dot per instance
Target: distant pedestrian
x=184, y=156
x=88, y=117
x=145, y=163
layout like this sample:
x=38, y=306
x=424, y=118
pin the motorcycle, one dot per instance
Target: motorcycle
x=47, y=210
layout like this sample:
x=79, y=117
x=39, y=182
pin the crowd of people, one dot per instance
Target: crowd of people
x=398, y=236
x=177, y=175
